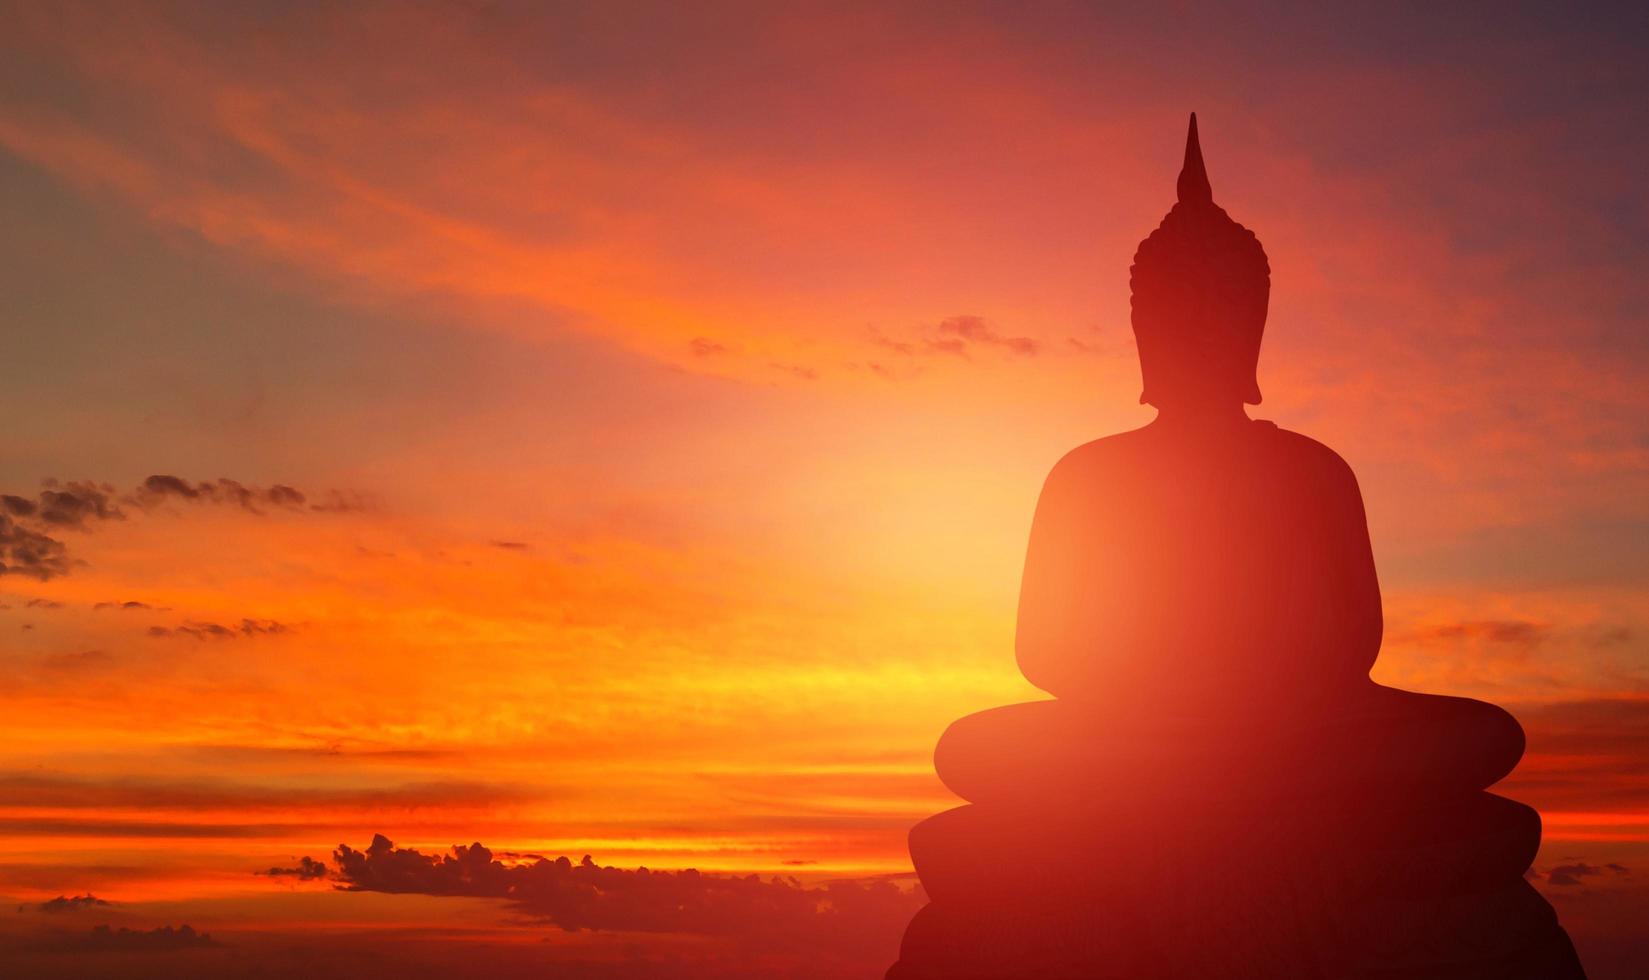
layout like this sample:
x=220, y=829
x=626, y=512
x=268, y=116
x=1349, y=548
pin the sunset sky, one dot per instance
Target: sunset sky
x=614, y=430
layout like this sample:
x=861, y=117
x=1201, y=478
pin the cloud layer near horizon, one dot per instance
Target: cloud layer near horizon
x=779, y=913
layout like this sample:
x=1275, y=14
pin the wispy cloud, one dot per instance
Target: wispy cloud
x=218, y=631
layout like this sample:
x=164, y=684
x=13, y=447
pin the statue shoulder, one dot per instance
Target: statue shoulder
x=1310, y=452
x=1142, y=456
x=1097, y=460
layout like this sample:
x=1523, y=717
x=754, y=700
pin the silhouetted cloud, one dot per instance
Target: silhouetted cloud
x=72, y=903
x=127, y=606
x=217, y=631
x=307, y=869
x=76, y=503
x=28, y=527
x=585, y=895
x=15, y=506
x=510, y=545
x=25, y=551
x=221, y=491
x=159, y=938
x=253, y=499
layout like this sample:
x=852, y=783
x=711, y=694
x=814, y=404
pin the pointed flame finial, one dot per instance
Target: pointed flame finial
x=1193, y=178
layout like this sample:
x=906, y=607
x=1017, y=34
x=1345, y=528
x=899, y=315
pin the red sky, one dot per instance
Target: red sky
x=668, y=389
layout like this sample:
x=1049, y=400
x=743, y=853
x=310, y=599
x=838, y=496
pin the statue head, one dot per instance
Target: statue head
x=1200, y=284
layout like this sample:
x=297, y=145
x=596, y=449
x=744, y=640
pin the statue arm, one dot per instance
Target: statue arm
x=1357, y=562
x=1056, y=591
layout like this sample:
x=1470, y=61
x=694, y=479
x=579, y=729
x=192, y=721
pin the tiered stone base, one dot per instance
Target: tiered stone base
x=1354, y=846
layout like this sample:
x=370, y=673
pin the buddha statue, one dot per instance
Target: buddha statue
x=1218, y=789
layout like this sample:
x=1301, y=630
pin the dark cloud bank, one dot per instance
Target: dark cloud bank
x=307, y=869
x=70, y=903
x=198, y=630
x=584, y=895
x=29, y=526
x=104, y=938
x=609, y=924
x=160, y=937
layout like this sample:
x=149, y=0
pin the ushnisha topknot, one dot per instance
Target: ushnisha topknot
x=1192, y=186
x=1200, y=285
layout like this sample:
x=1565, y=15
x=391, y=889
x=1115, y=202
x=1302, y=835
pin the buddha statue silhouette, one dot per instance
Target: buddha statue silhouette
x=1218, y=789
